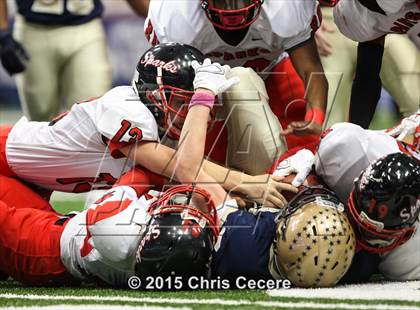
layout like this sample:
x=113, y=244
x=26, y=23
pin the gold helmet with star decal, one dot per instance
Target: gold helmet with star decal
x=315, y=242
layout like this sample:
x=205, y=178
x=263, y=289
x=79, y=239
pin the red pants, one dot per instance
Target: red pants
x=286, y=90
x=29, y=236
x=4, y=166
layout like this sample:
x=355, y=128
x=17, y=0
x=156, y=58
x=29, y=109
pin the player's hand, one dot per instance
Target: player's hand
x=302, y=128
x=323, y=44
x=300, y=163
x=211, y=76
x=12, y=54
x=407, y=127
x=266, y=190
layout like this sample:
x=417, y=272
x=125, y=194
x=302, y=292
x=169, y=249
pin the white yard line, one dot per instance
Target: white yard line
x=95, y=307
x=183, y=301
x=406, y=291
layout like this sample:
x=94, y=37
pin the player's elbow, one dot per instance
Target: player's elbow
x=185, y=172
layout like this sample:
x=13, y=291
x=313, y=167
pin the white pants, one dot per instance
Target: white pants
x=400, y=72
x=254, y=141
x=68, y=64
x=403, y=263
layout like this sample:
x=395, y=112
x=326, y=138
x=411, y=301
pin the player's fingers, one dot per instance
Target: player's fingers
x=277, y=178
x=226, y=68
x=301, y=176
x=207, y=62
x=276, y=193
x=229, y=83
x=280, y=186
x=195, y=64
x=284, y=171
x=287, y=131
x=274, y=200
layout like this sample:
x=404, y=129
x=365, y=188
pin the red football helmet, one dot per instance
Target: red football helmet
x=192, y=203
x=232, y=14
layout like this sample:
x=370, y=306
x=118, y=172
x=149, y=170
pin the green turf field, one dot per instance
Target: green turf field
x=13, y=294
x=404, y=296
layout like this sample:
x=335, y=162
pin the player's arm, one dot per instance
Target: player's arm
x=160, y=159
x=13, y=56
x=4, y=23
x=141, y=7
x=305, y=59
x=366, y=89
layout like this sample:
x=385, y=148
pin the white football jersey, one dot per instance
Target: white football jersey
x=360, y=24
x=80, y=151
x=280, y=26
x=101, y=242
x=346, y=150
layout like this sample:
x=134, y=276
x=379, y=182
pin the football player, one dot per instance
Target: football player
x=255, y=34
x=310, y=242
x=368, y=22
x=59, y=50
x=118, y=236
x=399, y=71
x=385, y=212
x=96, y=141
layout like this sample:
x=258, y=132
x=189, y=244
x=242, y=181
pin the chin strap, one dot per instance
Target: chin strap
x=273, y=266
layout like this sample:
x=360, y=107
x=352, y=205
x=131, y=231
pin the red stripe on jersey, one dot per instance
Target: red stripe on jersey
x=102, y=212
x=148, y=30
x=316, y=20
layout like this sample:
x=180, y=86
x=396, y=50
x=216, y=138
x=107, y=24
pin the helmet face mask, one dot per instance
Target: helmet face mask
x=232, y=14
x=385, y=203
x=164, y=83
x=372, y=236
x=314, y=243
x=173, y=103
x=180, y=235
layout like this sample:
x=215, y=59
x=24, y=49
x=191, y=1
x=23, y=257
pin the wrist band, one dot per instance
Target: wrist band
x=201, y=98
x=315, y=115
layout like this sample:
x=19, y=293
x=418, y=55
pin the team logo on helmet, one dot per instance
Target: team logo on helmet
x=149, y=60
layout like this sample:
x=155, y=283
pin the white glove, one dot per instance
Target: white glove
x=407, y=127
x=300, y=163
x=212, y=76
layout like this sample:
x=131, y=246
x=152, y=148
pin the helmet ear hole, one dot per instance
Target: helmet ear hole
x=170, y=245
x=316, y=260
x=335, y=265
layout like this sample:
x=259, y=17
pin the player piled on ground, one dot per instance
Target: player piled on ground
x=96, y=141
x=255, y=35
x=123, y=234
x=378, y=177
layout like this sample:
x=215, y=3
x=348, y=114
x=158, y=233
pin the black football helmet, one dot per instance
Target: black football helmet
x=164, y=82
x=385, y=202
x=180, y=235
x=232, y=14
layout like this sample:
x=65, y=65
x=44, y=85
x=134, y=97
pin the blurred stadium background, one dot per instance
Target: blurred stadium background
x=126, y=43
